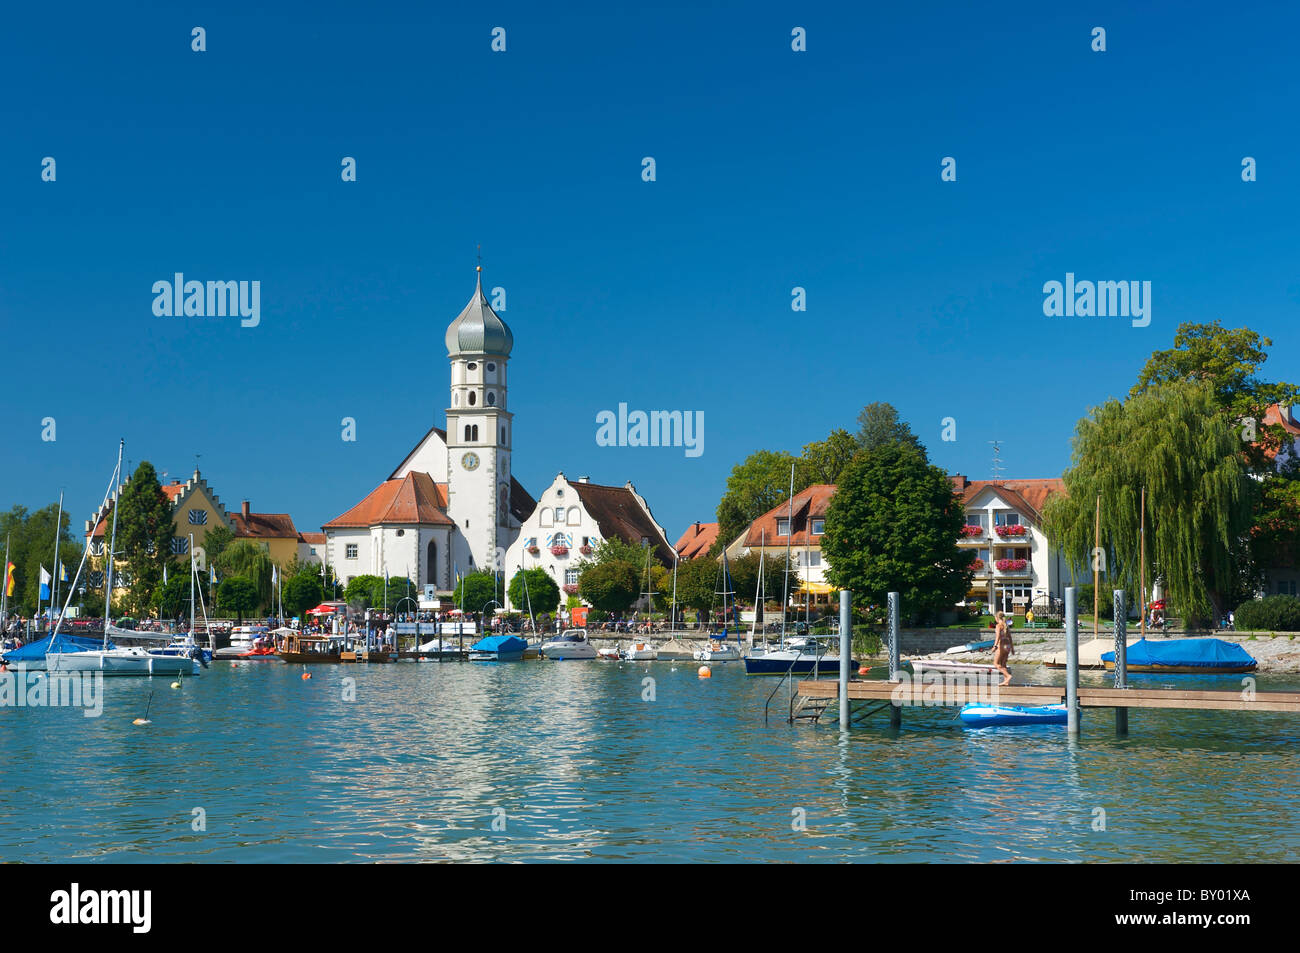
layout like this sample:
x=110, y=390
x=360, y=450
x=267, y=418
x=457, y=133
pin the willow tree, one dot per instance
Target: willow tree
x=1171, y=440
x=249, y=561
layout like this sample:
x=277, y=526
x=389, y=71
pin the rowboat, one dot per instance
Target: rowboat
x=990, y=716
x=970, y=647
x=921, y=665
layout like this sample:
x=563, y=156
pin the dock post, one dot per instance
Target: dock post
x=1071, y=662
x=1121, y=658
x=846, y=650
x=895, y=668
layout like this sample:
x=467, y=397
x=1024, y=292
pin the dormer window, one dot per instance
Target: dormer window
x=783, y=527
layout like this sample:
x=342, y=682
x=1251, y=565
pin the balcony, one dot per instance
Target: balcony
x=972, y=532
x=1013, y=567
x=1017, y=531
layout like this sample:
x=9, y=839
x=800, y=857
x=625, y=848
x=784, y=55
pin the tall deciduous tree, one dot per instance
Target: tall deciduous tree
x=302, y=592
x=610, y=586
x=892, y=526
x=1172, y=440
x=475, y=590
x=252, y=562
x=879, y=424
x=825, y=460
x=144, y=535
x=238, y=595
x=756, y=485
x=543, y=593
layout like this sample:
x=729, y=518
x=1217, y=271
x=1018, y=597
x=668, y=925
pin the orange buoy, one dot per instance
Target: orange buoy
x=142, y=721
x=864, y=669
x=705, y=672
x=306, y=675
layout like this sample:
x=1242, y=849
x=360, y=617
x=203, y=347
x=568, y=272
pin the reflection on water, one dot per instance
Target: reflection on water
x=578, y=767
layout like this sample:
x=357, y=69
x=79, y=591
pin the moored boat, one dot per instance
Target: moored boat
x=640, y=652
x=498, y=648
x=1185, y=656
x=990, y=716
x=571, y=644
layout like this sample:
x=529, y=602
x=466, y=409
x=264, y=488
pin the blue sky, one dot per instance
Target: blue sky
x=775, y=169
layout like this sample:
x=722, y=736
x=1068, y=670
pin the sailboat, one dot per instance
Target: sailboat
x=189, y=647
x=112, y=661
x=719, y=650
x=642, y=651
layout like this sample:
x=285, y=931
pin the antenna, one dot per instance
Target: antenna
x=997, y=460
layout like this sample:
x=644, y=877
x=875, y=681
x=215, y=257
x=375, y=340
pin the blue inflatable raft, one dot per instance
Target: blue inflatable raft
x=988, y=716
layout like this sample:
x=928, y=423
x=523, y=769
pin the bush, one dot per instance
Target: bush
x=1272, y=613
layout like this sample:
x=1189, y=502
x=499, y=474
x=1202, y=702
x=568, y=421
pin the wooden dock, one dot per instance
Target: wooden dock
x=954, y=692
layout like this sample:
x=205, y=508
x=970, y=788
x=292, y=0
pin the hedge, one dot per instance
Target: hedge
x=1271, y=614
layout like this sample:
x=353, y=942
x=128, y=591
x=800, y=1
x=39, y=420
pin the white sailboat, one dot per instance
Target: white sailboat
x=720, y=650
x=115, y=661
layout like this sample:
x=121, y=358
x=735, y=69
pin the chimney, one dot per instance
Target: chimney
x=244, y=508
x=583, y=479
x=697, y=527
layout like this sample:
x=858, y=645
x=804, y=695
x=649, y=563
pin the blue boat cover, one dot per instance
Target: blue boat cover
x=499, y=643
x=1198, y=653
x=36, y=651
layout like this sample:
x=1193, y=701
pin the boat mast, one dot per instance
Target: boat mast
x=1142, y=566
x=672, y=612
x=758, y=588
x=789, y=527
x=192, y=639
x=1096, y=569
x=85, y=553
x=112, y=544
x=54, y=570
x=4, y=587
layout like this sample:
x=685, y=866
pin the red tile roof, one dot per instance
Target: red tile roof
x=1030, y=496
x=173, y=490
x=1288, y=421
x=415, y=498
x=617, y=512
x=315, y=539
x=808, y=504
x=697, y=540
x=264, y=525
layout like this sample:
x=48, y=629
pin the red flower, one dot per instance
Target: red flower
x=970, y=530
x=571, y=588
x=1017, y=530
x=559, y=550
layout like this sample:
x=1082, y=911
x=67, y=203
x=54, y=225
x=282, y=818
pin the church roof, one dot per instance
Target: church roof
x=478, y=329
x=618, y=512
x=415, y=498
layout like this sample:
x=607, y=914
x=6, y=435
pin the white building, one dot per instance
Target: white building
x=452, y=503
x=572, y=518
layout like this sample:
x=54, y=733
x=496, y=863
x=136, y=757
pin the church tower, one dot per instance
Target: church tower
x=479, y=434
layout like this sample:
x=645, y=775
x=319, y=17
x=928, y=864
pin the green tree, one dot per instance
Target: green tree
x=744, y=577
x=1171, y=440
x=239, y=595
x=610, y=587
x=879, y=424
x=696, y=583
x=31, y=546
x=543, y=593
x=252, y=562
x=172, y=598
x=758, y=483
x=365, y=591
x=302, y=592
x=475, y=590
x=216, y=540
x=892, y=526
x=824, y=461
x=144, y=535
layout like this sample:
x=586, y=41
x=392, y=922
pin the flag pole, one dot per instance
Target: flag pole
x=54, y=570
x=4, y=588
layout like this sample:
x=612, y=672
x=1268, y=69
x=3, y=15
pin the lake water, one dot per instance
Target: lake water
x=430, y=761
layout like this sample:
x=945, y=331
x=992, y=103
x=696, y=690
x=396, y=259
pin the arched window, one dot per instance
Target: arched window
x=492, y=398
x=474, y=433
x=431, y=570
x=468, y=430
x=473, y=398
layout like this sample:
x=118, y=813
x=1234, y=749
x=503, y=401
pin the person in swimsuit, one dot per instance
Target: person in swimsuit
x=1003, y=648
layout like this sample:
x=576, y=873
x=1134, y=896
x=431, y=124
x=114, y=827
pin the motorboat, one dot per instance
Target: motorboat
x=497, y=648
x=441, y=648
x=640, y=652
x=798, y=656
x=571, y=644
x=243, y=639
x=990, y=716
x=717, y=651
x=1185, y=656
x=608, y=654
x=184, y=647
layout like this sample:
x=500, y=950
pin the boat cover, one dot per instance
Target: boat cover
x=1192, y=653
x=35, y=651
x=499, y=643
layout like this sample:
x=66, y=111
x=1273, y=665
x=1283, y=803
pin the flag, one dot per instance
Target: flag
x=45, y=584
x=63, y=573
x=9, y=579
x=164, y=574
x=274, y=577
x=212, y=574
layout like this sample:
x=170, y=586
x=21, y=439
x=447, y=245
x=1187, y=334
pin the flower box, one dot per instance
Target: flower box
x=571, y=588
x=585, y=550
x=977, y=565
x=533, y=551
x=969, y=531
x=1011, y=565
x=1005, y=531
x=559, y=550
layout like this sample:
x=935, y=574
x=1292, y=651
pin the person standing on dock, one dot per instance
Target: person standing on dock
x=1003, y=647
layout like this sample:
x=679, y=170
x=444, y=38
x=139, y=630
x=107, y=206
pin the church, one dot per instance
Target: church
x=452, y=503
